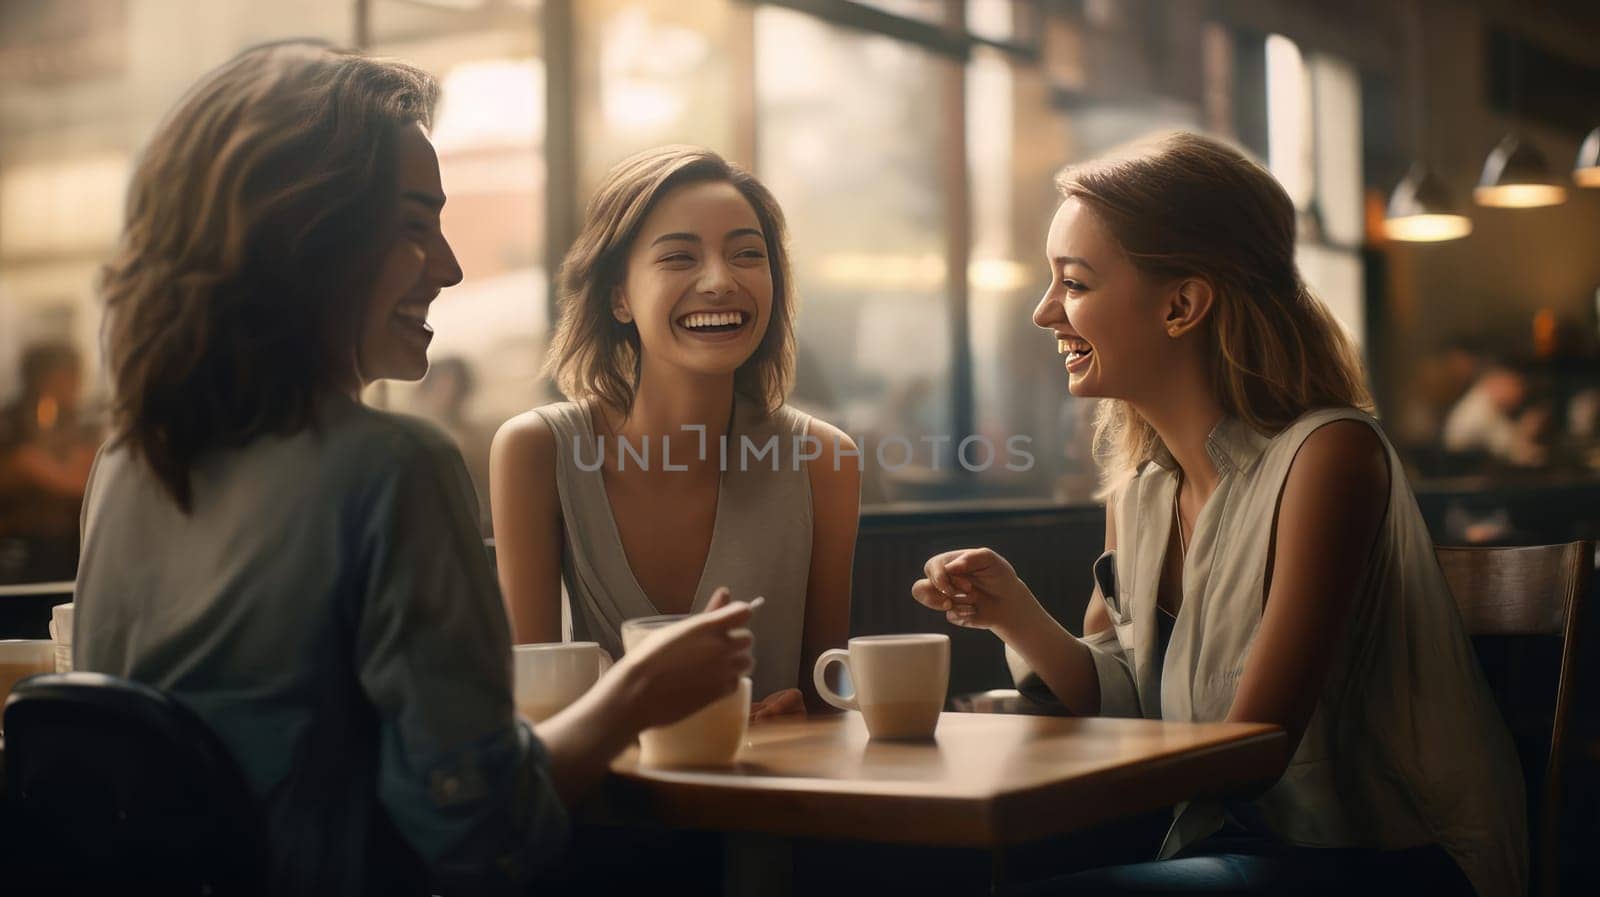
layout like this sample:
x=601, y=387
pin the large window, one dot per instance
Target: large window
x=868, y=211
x=83, y=84
x=491, y=330
x=1313, y=118
x=910, y=142
x=651, y=72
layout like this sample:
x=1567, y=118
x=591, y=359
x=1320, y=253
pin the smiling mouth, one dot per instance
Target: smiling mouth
x=1073, y=349
x=714, y=322
x=414, y=317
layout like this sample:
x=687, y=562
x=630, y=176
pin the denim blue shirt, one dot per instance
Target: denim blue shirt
x=328, y=608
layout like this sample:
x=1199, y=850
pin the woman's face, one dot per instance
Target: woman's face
x=699, y=283
x=395, y=333
x=1109, y=318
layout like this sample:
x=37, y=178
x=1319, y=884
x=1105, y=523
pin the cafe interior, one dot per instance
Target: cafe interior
x=1443, y=162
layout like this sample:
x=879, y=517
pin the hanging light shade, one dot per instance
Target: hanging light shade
x=1421, y=210
x=1587, y=170
x=1515, y=176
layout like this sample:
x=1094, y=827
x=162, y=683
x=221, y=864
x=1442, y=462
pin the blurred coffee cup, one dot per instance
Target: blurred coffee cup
x=21, y=658
x=711, y=736
x=548, y=677
x=61, y=634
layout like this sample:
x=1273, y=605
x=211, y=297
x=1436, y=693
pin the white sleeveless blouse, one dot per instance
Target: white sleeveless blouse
x=1406, y=745
x=760, y=542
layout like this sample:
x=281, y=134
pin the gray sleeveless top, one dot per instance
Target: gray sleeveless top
x=1405, y=747
x=760, y=543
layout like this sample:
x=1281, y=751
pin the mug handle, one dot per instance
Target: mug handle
x=605, y=661
x=832, y=697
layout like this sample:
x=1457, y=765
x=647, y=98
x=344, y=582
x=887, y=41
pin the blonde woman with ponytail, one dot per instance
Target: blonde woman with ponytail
x=1265, y=559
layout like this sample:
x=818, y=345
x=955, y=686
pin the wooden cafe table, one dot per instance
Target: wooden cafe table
x=986, y=781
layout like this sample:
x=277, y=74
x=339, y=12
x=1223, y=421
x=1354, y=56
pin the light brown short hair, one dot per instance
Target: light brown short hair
x=594, y=356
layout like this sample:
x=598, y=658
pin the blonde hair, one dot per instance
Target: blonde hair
x=254, y=221
x=594, y=356
x=1184, y=205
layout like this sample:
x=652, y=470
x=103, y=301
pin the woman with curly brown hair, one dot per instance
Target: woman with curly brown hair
x=302, y=571
x=1265, y=559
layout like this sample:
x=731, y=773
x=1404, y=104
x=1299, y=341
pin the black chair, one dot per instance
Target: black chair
x=118, y=788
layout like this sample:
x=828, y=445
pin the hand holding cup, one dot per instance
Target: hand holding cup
x=682, y=667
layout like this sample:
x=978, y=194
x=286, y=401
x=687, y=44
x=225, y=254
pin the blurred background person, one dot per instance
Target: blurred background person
x=1496, y=418
x=444, y=397
x=46, y=451
x=1437, y=383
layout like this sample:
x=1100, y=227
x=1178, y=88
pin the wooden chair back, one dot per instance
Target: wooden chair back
x=1505, y=595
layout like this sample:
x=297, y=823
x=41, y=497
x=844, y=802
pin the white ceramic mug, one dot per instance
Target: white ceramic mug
x=61, y=633
x=710, y=736
x=550, y=676
x=900, y=682
x=21, y=658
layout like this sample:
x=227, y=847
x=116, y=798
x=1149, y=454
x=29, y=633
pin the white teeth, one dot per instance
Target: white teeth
x=1071, y=348
x=713, y=319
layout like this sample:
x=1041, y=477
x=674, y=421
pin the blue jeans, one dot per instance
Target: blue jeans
x=1241, y=863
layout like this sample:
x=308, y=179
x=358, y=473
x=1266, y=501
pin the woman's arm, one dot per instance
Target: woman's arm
x=1062, y=662
x=659, y=681
x=1332, y=506
x=463, y=778
x=978, y=588
x=835, y=518
x=527, y=527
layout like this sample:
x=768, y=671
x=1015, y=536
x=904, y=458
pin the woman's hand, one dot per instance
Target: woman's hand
x=976, y=588
x=666, y=677
x=788, y=702
x=689, y=664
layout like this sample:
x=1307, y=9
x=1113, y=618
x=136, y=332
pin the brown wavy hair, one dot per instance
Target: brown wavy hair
x=1183, y=205
x=255, y=219
x=592, y=354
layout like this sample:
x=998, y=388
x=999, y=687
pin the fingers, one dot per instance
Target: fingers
x=935, y=570
x=928, y=596
x=783, y=703
x=960, y=610
x=719, y=599
x=725, y=616
x=962, y=615
x=953, y=571
x=790, y=700
x=973, y=560
x=719, y=636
